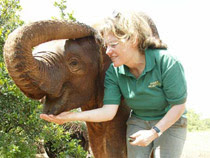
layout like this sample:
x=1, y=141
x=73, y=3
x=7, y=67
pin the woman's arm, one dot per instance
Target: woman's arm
x=106, y=113
x=171, y=117
x=145, y=137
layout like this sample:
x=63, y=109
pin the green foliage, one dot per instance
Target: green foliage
x=12, y=139
x=18, y=125
x=9, y=20
x=63, y=144
x=62, y=8
x=207, y=123
x=195, y=123
x=21, y=129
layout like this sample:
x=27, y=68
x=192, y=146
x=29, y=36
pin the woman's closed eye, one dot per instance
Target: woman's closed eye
x=112, y=45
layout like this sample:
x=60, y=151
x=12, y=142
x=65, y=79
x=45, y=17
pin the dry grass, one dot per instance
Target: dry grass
x=197, y=145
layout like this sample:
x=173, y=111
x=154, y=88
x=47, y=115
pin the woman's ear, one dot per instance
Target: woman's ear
x=135, y=42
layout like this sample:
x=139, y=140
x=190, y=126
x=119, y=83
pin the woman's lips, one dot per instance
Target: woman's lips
x=113, y=58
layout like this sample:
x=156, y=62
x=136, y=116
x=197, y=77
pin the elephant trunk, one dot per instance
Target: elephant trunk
x=22, y=66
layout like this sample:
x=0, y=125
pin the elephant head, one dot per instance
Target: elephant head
x=66, y=75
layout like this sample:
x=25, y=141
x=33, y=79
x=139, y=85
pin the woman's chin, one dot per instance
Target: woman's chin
x=116, y=64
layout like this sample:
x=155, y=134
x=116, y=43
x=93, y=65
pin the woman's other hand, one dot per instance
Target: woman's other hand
x=143, y=137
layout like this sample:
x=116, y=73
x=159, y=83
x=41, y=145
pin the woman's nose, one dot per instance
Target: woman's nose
x=108, y=51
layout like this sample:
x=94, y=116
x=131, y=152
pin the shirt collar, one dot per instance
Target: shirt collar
x=150, y=59
x=150, y=63
x=124, y=70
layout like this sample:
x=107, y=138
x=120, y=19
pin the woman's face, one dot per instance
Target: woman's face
x=118, y=50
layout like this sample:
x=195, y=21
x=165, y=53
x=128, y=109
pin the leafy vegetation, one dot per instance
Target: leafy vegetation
x=195, y=123
x=63, y=13
x=21, y=129
x=9, y=20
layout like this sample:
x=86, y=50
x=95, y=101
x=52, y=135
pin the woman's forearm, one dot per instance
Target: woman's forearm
x=171, y=117
x=105, y=113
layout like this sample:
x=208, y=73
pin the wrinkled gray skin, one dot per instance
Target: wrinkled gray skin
x=67, y=75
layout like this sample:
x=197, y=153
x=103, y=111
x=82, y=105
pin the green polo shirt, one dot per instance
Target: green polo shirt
x=161, y=85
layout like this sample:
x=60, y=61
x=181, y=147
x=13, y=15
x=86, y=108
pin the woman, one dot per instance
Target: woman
x=152, y=83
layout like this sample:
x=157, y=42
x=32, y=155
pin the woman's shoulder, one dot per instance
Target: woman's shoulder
x=164, y=56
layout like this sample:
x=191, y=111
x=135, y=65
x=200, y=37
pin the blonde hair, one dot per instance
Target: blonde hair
x=132, y=26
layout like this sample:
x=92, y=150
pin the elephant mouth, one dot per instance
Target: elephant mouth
x=65, y=102
x=54, y=105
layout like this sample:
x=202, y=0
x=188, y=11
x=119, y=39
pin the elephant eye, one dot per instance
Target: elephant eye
x=74, y=65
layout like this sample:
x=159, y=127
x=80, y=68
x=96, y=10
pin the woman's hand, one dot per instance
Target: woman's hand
x=60, y=119
x=143, y=137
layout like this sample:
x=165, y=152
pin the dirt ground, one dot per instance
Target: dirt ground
x=197, y=145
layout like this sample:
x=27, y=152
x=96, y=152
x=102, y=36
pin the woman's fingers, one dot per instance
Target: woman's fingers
x=137, y=141
x=143, y=138
x=50, y=118
x=46, y=117
x=135, y=134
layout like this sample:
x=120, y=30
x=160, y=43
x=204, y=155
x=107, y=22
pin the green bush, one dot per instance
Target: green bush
x=21, y=129
x=62, y=143
x=195, y=123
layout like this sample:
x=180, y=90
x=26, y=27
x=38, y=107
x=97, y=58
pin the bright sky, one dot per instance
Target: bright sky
x=182, y=24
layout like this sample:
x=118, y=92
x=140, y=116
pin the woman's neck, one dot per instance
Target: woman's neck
x=137, y=64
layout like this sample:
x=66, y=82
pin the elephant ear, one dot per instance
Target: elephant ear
x=26, y=71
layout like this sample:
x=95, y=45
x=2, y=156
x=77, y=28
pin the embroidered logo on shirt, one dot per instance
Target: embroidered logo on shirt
x=154, y=84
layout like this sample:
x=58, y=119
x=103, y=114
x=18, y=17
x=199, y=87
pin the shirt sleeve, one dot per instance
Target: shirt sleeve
x=174, y=83
x=112, y=94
